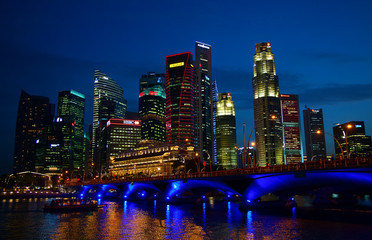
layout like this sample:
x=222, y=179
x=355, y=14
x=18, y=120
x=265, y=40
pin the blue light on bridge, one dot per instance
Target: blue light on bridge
x=248, y=201
x=125, y=196
x=99, y=195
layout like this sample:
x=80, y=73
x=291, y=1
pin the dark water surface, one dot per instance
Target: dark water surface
x=25, y=219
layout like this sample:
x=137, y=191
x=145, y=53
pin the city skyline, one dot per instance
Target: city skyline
x=46, y=52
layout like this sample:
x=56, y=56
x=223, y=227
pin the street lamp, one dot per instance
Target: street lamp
x=342, y=151
x=249, y=139
x=253, y=144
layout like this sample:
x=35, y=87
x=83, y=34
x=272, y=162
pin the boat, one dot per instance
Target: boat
x=67, y=205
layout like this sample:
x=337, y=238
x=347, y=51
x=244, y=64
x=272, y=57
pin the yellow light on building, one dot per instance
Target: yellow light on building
x=179, y=64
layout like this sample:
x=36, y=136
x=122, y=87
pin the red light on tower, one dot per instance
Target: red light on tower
x=268, y=44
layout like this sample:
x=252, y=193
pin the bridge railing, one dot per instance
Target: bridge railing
x=314, y=165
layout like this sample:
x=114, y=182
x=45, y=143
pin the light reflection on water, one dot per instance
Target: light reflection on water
x=24, y=219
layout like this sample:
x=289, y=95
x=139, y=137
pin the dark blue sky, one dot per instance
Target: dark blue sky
x=322, y=50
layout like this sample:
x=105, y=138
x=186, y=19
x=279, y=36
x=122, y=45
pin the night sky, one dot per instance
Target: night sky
x=322, y=50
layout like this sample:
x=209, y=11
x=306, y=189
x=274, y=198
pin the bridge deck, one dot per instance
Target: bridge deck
x=316, y=165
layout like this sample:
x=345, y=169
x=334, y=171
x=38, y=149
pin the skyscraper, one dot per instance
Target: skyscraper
x=291, y=128
x=226, y=132
x=314, y=134
x=34, y=114
x=108, y=102
x=152, y=107
x=71, y=106
x=152, y=79
x=353, y=140
x=266, y=105
x=203, y=99
x=121, y=135
x=180, y=122
x=215, y=100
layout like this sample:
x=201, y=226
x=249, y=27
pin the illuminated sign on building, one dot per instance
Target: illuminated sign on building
x=203, y=46
x=179, y=64
x=358, y=126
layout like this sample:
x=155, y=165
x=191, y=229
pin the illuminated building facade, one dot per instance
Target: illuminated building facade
x=215, y=100
x=121, y=135
x=353, y=140
x=203, y=99
x=50, y=149
x=180, y=122
x=314, y=134
x=153, y=160
x=152, y=107
x=108, y=102
x=266, y=104
x=226, y=132
x=34, y=114
x=291, y=128
x=152, y=79
x=70, y=112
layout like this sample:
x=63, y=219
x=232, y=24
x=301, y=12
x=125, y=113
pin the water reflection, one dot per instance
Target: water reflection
x=154, y=220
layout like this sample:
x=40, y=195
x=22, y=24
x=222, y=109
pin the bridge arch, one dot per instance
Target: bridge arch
x=272, y=183
x=178, y=187
x=139, y=190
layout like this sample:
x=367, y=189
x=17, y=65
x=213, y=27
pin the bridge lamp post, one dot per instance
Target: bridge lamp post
x=349, y=126
x=254, y=144
x=342, y=151
x=197, y=161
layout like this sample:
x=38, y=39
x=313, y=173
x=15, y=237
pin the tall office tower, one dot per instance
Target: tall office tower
x=152, y=114
x=121, y=135
x=291, y=128
x=314, y=134
x=34, y=114
x=108, y=102
x=266, y=105
x=151, y=107
x=152, y=79
x=226, y=132
x=50, y=149
x=203, y=99
x=215, y=100
x=71, y=106
x=180, y=122
x=353, y=140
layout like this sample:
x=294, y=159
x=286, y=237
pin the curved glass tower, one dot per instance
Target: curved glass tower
x=180, y=122
x=267, y=112
x=226, y=132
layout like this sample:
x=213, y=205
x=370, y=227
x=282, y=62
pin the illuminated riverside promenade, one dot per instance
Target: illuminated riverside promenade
x=249, y=184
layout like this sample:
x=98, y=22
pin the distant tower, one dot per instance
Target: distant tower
x=203, y=99
x=71, y=106
x=226, y=131
x=152, y=107
x=215, y=100
x=180, y=123
x=108, y=102
x=34, y=114
x=266, y=105
x=353, y=140
x=291, y=128
x=121, y=135
x=314, y=134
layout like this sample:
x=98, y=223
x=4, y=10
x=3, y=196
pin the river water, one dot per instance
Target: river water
x=25, y=219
